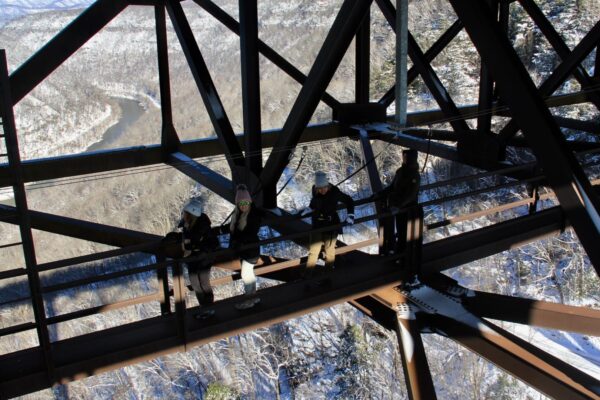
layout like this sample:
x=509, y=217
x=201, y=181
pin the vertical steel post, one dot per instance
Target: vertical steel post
x=401, y=62
x=162, y=276
x=486, y=87
x=250, y=85
x=384, y=226
x=597, y=64
x=14, y=161
x=179, y=291
x=169, y=139
x=414, y=360
x=414, y=239
x=363, y=58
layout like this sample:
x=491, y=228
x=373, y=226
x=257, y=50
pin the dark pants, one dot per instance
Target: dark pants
x=199, y=273
x=401, y=226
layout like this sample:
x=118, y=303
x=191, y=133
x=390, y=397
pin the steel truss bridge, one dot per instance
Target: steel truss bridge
x=376, y=284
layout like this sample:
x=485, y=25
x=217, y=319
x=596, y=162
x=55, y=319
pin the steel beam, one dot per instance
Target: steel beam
x=546, y=373
x=433, y=83
x=250, y=85
x=23, y=218
x=140, y=156
x=213, y=181
x=110, y=160
x=535, y=312
x=336, y=43
x=435, y=49
x=169, y=139
x=561, y=73
x=469, y=246
x=589, y=126
x=561, y=49
x=573, y=189
x=363, y=61
x=33, y=71
x=115, y=347
x=91, y=231
x=207, y=89
x=385, y=229
x=486, y=88
x=417, y=374
x=264, y=49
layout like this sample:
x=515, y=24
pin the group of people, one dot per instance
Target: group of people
x=199, y=240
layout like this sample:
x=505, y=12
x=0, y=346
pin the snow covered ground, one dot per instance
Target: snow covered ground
x=12, y=9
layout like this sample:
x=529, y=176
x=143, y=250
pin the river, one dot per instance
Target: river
x=131, y=111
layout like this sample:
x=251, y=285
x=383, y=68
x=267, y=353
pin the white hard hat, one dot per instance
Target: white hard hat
x=194, y=207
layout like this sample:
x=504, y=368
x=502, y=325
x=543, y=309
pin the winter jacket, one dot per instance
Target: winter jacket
x=325, y=207
x=404, y=189
x=202, y=238
x=248, y=235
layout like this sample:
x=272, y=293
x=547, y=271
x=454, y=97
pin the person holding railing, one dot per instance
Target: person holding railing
x=402, y=193
x=243, y=228
x=198, y=240
x=323, y=207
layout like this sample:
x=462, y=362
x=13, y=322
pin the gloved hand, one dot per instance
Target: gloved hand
x=350, y=219
x=306, y=211
x=276, y=211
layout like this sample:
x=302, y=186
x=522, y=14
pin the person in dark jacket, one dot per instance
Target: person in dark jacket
x=198, y=240
x=323, y=206
x=243, y=229
x=401, y=194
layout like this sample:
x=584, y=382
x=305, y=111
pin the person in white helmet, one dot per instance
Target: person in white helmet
x=198, y=240
x=323, y=207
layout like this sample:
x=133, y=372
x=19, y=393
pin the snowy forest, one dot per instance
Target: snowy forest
x=106, y=96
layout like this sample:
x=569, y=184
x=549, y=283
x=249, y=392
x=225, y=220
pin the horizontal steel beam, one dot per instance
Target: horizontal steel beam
x=113, y=348
x=142, y=156
x=535, y=312
x=480, y=243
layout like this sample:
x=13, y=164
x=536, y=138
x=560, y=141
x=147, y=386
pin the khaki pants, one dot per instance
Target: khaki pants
x=318, y=239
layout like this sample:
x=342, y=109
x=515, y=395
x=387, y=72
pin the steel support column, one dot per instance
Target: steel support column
x=9, y=132
x=207, y=89
x=169, y=140
x=417, y=374
x=62, y=46
x=573, y=189
x=336, y=43
x=363, y=60
x=250, y=86
x=385, y=229
x=432, y=81
x=486, y=89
